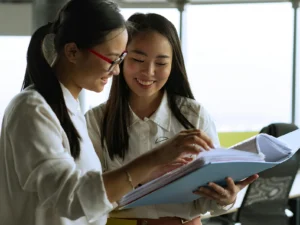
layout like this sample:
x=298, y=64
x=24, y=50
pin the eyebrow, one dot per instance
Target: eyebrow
x=114, y=54
x=144, y=54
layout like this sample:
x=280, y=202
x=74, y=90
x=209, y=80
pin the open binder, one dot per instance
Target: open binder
x=242, y=160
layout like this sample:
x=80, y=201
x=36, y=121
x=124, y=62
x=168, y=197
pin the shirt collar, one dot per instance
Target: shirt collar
x=72, y=104
x=162, y=116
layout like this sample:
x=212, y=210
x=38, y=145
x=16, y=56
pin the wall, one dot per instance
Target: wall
x=15, y=19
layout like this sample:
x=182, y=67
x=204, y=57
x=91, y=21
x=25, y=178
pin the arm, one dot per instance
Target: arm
x=217, y=200
x=117, y=183
x=140, y=169
x=45, y=168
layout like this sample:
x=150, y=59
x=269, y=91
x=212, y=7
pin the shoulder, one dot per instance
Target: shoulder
x=96, y=113
x=27, y=101
x=94, y=118
x=29, y=107
x=191, y=107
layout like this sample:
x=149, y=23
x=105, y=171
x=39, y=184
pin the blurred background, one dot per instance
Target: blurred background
x=241, y=56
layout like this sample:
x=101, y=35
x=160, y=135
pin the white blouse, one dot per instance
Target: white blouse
x=147, y=133
x=40, y=183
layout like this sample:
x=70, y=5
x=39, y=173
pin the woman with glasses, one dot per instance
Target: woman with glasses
x=49, y=171
x=149, y=102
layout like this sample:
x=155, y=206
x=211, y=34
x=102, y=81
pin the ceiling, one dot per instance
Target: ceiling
x=161, y=3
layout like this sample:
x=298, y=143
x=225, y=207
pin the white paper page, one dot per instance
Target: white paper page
x=274, y=149
x=292, y=140
x=229, y=155
x=248, y=145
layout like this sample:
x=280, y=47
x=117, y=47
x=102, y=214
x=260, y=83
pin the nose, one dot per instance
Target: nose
x=116, y=70
x=149, y=69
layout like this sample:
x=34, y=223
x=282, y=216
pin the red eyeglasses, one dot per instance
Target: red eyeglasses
x=113, y=63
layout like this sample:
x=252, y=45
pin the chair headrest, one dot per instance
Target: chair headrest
x=278, y=129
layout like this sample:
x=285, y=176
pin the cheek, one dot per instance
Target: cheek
x=164, y=74
x=89, y=74
x=130, y=69
x=93, y=67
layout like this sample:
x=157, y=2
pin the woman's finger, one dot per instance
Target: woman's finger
x=218, y=189
x=201, y=135
x=207, y=139
x=195, y=141
x=230, y=184
x=182, y=160
x=208, y=192
x=247, y=181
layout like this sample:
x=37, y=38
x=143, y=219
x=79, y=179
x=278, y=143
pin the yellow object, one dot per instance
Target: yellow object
x=228, y=139
x=116, y=221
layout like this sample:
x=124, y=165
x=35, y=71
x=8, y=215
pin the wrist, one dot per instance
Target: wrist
x=151, y=160
x=141, y=168
x=226, y=206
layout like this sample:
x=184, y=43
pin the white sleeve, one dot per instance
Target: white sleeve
x=44, y=166
x=93, y=126
x=208, y=126
x=204, y=205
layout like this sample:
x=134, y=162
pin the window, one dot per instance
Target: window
x=239, y=61
x=93, y=99
x=297, y=113
x=238, y=57
x=12, y=70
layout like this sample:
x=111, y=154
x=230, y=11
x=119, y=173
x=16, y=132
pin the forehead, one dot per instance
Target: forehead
x=150, y=42
x=116, y=40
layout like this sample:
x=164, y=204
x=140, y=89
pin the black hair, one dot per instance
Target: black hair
x=117, y=114
x=83, y=22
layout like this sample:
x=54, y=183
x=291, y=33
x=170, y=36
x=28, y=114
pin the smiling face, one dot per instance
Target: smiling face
x=148, y=64
x=90, y=68
x=93, y=70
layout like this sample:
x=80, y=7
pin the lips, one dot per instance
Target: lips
x=104, y=80
x=145, y=82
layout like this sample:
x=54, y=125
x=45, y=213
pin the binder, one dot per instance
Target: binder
x=240, y=161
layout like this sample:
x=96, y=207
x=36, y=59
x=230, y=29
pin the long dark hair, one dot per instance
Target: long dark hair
x=117, y=113
x=84, y=22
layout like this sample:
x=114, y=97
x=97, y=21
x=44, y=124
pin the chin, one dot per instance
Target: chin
x=145, y=94
x=97, y=89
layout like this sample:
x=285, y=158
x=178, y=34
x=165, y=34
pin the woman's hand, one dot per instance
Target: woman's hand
x=225, y=195
x=161, y=170
x=150, y=165
x=190, y=142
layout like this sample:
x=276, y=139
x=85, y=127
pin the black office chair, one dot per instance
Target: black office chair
x=266, y=200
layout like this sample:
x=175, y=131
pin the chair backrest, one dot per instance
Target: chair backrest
x=267, y=198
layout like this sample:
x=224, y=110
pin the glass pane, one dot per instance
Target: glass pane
x=12, y=69
x=297, y=114
x=239, y=61
x=93, y=99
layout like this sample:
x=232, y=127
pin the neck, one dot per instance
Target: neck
x=145, y=106
x=63, y=71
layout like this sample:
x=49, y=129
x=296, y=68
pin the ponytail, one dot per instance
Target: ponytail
x=42, y=77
